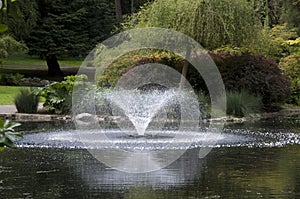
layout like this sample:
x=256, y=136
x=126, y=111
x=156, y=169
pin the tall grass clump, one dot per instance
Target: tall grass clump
x=26, y=101
x=241, y=103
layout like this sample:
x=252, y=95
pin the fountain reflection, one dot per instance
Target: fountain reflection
x=184, y=170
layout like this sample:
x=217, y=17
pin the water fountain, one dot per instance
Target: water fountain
x=142, y=144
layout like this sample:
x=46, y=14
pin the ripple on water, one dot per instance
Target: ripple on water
x=158, y=140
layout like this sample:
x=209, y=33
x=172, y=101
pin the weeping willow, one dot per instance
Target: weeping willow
x=212, y=23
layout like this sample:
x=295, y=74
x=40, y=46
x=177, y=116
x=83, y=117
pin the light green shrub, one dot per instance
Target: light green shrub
x=291, y=68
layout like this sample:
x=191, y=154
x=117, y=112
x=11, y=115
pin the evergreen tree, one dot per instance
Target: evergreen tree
x=21, y=19
x=69, y=28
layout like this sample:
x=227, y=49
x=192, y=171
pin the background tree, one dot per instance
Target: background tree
x=118, y=9
x=268, y=11
x=69, y=28
x=8, y=45
x=21, y=19
x=212, y=23
x=291, y=14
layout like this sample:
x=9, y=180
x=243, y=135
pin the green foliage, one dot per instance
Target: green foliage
x=124, y=63
x=3, y=28
x=277, y=42
x=291, y=67
x=58, y=95
x=3, y=11
x=291, y=14
x=10, y=79
x=21, y=19
x=9, y=46
x=269, y=12
x=241, y=103
x=26, y=101
x=255, y=73
x=285, y=40
x=70, y=28
x=212, y=23
x=8, y=134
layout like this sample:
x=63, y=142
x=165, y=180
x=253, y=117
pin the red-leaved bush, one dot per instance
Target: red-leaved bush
x=255, y=73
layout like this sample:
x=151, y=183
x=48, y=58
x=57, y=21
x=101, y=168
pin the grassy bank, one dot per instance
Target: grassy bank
x=8, y=93
x=26, y=61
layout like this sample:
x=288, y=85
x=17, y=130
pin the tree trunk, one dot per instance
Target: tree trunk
x=267, y=19
x=118, y=8
x=132, y=8
x=53, y=65
x=185, y=68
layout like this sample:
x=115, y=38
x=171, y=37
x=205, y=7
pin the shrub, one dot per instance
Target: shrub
x=256, y=74
x=241, y=103
x=8, y=134
x=10, y=79
x=126, y=62
x=58, y=95
x=9, y=46
x=26, y=101
x=291, y=67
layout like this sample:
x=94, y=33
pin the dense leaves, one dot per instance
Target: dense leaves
x=212, y=23
x=9, y=46
x=10, y=79
x=8, y=134
x=291, y=67
x=22, y=18
x=58, y=95
x=245, y=71
x=255, y=73
x=69, y=28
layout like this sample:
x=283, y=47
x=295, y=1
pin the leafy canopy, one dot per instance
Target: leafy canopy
x=212, y=23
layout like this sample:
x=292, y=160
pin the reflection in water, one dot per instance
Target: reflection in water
x=177, y=174
x=226, y=172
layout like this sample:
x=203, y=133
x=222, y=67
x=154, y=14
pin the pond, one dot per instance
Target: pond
x=265, y=165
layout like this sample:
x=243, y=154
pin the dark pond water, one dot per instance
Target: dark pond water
x=229, y=171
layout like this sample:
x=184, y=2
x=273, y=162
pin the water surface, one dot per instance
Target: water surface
x=265, y=165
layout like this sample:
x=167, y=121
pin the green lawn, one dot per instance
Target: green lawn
x=26, y=61
x=8, y=93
